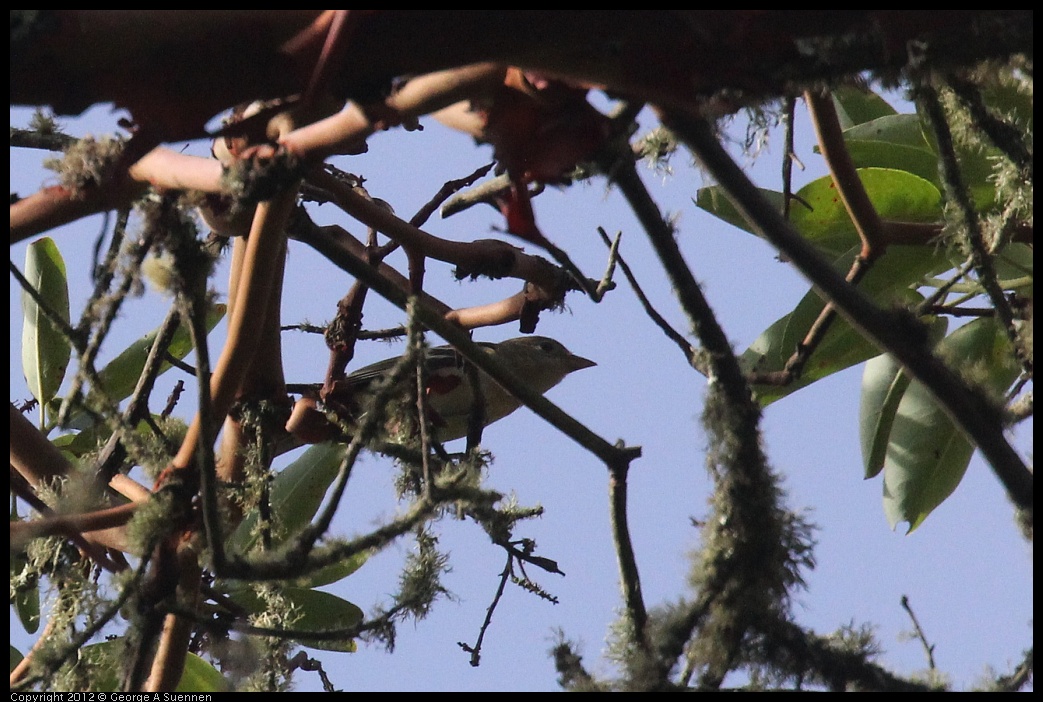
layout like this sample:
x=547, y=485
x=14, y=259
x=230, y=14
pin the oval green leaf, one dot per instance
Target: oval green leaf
x=315, y=611
x=714, y=200
x=1014, y=268
x=883, y=386
x=120, y=376
x=896, y=195
x=855, y=106
x=296, y=495
x=45, y=350
x=104, y=660
x=26, y=600
x=201, y=676
x=898, y=130
x=927, y=454
x=876, y=154
x=889, y=283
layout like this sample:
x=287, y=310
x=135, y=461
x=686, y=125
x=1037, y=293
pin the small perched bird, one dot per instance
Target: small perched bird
x=541, y=361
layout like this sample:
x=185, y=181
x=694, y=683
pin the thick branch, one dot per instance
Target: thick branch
x=70, y=59
x=482, y=257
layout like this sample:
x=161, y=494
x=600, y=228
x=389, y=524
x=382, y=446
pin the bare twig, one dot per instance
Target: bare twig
x=863, y=215
x=34, y=139
x=476, y=650
x=689, y=351
x=920, y=635
x=849, y=186
x=444, y=193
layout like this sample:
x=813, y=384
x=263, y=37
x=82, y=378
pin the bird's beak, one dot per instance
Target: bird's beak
x=579, y=363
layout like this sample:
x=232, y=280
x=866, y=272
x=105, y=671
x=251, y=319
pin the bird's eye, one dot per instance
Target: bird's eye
x=547, y=346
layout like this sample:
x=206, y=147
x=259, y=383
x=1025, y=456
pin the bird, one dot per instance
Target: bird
x=541, y=361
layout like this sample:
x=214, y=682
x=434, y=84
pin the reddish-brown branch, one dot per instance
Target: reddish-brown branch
x=489, y=257
x=845, y=176
x=344, y=130
x=34, y=457
x=262, y=271
x=107, y=519
x=94, y=548
x=161, y=168
x=305, y=230
x=72, y=59
x=168, y=665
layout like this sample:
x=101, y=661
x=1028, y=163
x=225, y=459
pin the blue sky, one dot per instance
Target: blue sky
x=966, y=571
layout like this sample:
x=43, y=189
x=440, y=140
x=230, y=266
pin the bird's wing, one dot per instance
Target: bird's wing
x=439, y=358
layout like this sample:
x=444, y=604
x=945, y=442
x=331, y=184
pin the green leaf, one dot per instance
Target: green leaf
x=896, y=195
x=120, y=376
x=1014, y=266
x=45, y=351
x=27, y=606
x=333, y=572
x=888, y=284
x=714, y=200
x=892, y=141
x=200, y=676
x=897, y=130
x=104, y=660
x=296, y=495
x=927, y=454
x=877, y=154
x=883, y=386
x=26, y=600
x=314, y=611
x=16, y=657
x=855, y=106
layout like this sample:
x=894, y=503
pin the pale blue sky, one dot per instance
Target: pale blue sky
x=966, y=571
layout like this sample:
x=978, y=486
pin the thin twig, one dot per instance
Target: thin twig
x=195, y=313
x=35, y=139
x=444, y=193
x=845, y=176
x=476, y=650
x=920, y=635
x=689, y=351
x=863, y=215
x=788, y=109
x=943, y=289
